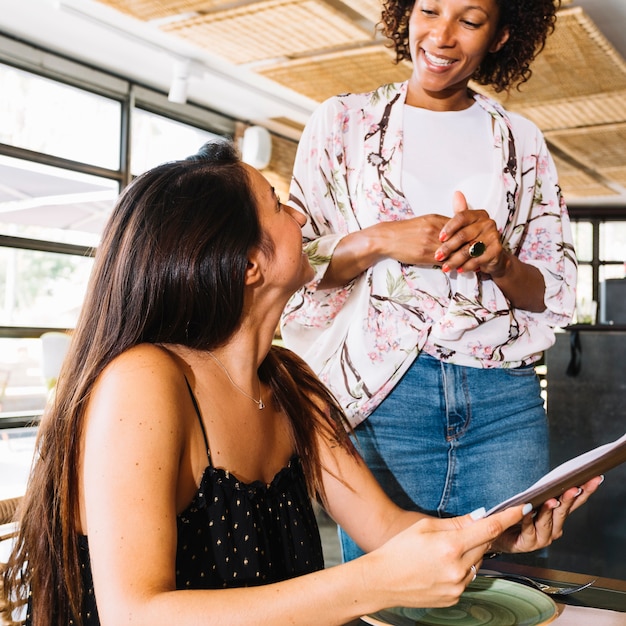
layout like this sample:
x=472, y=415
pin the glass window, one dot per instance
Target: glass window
x=17, y=447
x=613, y=241
x=43, y=202
x=584, y=286
x=47, y=116
x=23, y=387
x=157, y=139
x=41, y=289
x=612, y=271
x=52, y=215
x=583, y=240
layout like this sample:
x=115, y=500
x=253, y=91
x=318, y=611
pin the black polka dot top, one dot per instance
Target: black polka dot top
x=234, y=534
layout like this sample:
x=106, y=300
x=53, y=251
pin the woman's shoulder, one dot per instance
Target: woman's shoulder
x=351, y=114
x=141, y=397
x=144, y=366
x=519, y=123
x=522, y=124
x=357, y=101
x=144, y=355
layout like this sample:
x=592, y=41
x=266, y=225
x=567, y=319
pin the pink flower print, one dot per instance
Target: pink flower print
x=368, y=119
x=342, y=121
x=542, y=165
x=491, y=304
x=375, y=196
x=446, y=323
x=481, y=351
x=539, y=246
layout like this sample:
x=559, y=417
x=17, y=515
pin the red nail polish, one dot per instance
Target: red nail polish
x=439, y=255
x=445, y=268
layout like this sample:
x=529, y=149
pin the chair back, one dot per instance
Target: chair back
x=54, y=345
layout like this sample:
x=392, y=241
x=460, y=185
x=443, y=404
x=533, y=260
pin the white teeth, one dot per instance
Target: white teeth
x=436, y=60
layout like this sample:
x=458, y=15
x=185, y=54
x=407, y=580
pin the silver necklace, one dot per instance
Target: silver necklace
x=259, y=402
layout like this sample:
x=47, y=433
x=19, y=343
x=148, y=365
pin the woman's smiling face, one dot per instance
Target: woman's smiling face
x=448, y=40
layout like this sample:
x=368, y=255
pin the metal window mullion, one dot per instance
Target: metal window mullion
x=59, y=162
x=42, y=245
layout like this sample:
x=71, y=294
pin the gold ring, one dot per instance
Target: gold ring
x=476, y=249
x=474, y=572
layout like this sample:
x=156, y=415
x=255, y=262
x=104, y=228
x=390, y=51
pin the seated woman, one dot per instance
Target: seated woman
x=179, y=457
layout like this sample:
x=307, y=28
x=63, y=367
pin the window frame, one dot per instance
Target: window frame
x=131, y=95
x=597, y=216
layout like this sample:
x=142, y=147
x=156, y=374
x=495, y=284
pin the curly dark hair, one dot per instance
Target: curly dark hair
x=529, y=22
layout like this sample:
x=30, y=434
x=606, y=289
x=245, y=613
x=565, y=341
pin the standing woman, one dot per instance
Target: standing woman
x=443, y=258
x=177, y=461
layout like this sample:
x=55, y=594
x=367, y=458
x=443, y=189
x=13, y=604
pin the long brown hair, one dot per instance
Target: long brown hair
x=170, y=269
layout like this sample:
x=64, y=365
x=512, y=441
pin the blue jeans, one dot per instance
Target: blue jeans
x=449, y=439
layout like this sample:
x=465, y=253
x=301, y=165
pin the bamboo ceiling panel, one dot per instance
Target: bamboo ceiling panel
x=616, y=174
x=370, y=9
x=602, y=148
x=270, y=29
x=577, y=62
x=158, y=9
x=327, y=75
x=285, y=121
x=591, y=111
x=576, y=183
x=279, y=170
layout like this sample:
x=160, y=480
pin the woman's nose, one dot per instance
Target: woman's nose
x=297, y=215
x=441, y=32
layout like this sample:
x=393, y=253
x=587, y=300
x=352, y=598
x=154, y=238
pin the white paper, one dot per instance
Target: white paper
x=560, y=474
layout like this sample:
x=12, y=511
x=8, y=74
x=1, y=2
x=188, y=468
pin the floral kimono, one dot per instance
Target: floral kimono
x=362, y=337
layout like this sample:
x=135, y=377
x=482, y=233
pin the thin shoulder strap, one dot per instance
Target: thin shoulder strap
x=197, y=408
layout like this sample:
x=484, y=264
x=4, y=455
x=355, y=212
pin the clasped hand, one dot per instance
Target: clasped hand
x=437, y=239
x=461, y=231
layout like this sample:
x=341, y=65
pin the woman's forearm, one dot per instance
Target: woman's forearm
x=353, y=255
x=329, y=597
x=412, y=241
x=522, y=284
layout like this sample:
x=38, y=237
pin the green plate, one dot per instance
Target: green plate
x=485, y=602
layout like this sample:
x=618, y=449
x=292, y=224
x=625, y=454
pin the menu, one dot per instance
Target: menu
x=572, y=473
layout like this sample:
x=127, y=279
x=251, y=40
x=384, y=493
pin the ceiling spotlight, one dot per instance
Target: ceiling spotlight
x=179, y=84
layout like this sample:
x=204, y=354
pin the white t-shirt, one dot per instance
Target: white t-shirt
x=446, y=151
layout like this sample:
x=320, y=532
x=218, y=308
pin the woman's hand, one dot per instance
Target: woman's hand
x=540, y=529
x=521, y=283
x=461, y=231
x=430, y=563
x=413, y=241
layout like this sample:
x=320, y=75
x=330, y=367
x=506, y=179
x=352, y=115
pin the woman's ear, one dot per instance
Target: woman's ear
x=253, y=270
x=500, y=40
